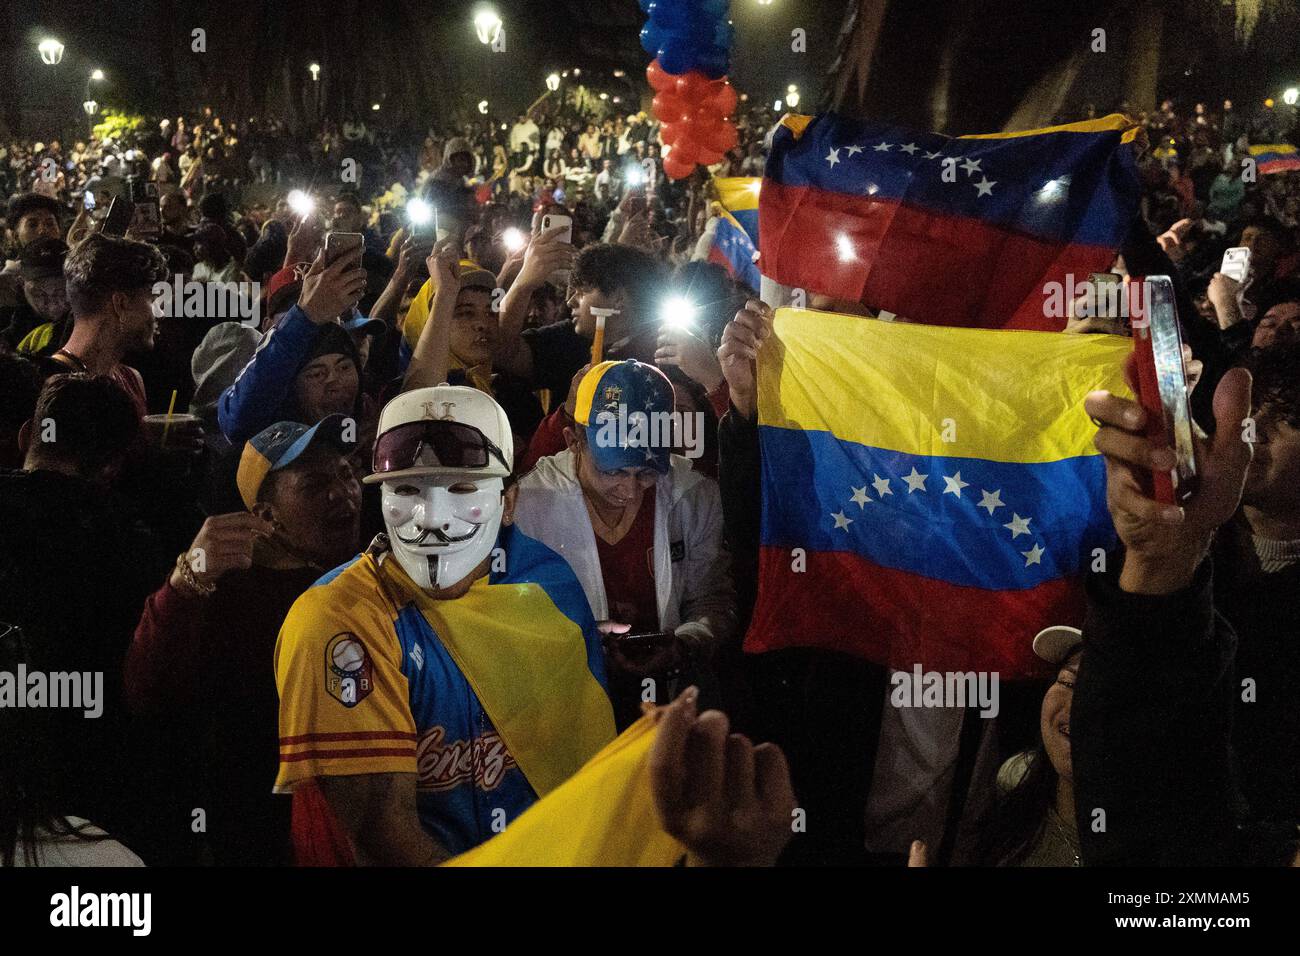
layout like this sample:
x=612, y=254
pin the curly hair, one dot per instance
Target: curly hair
x=102, y=265
x=1276, y=371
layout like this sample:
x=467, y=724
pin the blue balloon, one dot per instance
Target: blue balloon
x=682, y=17
x=723, y=35
x=714, y=9
x=651, y=38
x=645, y=5
x=678, y=58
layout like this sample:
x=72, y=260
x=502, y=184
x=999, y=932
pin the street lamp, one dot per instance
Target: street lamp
x=1291, y=96
x=375, y=107
x=97, y=76
x=51, y=51
x=487, y=25
x=483, y=107
x=792, y=99
x=314, y=70
x=553, y=82
x=91, y=107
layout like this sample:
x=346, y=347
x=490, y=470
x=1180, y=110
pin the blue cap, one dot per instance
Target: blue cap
x=627, y=409
x=279, y=446
x=359, y=323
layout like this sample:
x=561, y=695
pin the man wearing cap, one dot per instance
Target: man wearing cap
x=38, y=324
x=308, y=366
x=434, y=687
x=641, y=529
x=453, y=333
x=202, y=647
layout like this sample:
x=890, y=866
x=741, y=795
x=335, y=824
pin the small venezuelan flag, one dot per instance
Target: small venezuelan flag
x=1275, y=158
x=945, y=231
x=930, y=495
x=735, y=236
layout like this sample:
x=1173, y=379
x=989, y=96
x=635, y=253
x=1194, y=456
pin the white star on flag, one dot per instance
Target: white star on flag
x=972, y=166
x=915, y=481
x=833, y=157
x=881, y=485
x=841, y=520
x=991, y=501
x=985, y=187
x=854, y=149
x=954, y=485
x=860, y=497
x=1017, y=526
x=883, y=148
x=1033, y=556
x=910, y=148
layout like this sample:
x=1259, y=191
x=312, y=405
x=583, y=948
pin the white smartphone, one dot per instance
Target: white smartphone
x=550, y=220
x=1236, y=263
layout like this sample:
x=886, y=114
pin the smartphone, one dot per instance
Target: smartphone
x=646, y=640
x=338, y=244
x=427, y=231
x=1104, y=298
x=119, y=217
x=88, y=200
x=146, y=220
x=551, y=220
x=1162, y=389
x=1236, y=263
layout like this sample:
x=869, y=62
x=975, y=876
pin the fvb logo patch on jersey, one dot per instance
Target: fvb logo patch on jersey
x=349, y=676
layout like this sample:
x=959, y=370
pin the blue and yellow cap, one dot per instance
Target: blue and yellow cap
x=279, y=446
x=613, y=397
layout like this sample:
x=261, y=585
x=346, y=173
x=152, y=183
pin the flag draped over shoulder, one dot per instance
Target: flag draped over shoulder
x=929, y=495
x=735, y=236
x=1275, y=158
x=945, y=231
x=604, y=815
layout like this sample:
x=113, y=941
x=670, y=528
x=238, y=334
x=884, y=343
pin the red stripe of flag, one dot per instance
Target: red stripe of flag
x=844, y=602
x=918, y=263
x=367, y=752
x=350, y=735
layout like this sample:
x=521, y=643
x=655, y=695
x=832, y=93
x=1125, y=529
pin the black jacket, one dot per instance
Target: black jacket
x=1151, y=734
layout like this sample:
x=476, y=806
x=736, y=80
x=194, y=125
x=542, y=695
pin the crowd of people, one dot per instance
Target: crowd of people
x=280, y=535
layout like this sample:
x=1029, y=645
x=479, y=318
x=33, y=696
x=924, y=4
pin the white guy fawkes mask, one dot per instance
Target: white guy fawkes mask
x=439, y=535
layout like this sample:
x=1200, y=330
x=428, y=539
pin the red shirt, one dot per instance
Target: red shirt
x=628, y=570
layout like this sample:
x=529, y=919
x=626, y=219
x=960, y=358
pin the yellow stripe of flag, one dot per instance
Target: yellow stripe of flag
x=1010, y=396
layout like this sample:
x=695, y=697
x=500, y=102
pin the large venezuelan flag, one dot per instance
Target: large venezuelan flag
x=945, y=231
x=1275, y=158
x=930, y=495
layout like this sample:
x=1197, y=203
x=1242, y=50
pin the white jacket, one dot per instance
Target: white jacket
x=692, y=571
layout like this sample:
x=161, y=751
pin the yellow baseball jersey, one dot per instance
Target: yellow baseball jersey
x=491, y=699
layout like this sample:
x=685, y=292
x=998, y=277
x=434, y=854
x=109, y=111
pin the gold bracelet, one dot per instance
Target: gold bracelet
x=187, y=575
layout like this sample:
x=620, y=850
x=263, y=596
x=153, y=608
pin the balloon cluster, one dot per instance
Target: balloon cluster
x=691, y=43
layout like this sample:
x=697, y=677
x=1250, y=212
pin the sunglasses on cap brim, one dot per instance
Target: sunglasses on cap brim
x=434, y=444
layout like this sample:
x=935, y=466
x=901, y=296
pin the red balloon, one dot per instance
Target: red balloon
x=707, y=157
x=674, y=169
x=721, y=98
x=692, y=86
x=658, y=79
x=721, y=136
x=669, y=107
x=671, y=133
x=686, y=149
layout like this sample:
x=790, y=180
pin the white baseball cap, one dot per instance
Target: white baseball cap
x=1055, y=644
x=402, y=451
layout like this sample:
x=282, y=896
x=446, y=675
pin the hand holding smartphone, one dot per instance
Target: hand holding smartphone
x=1162, y=390
x=340, y=244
